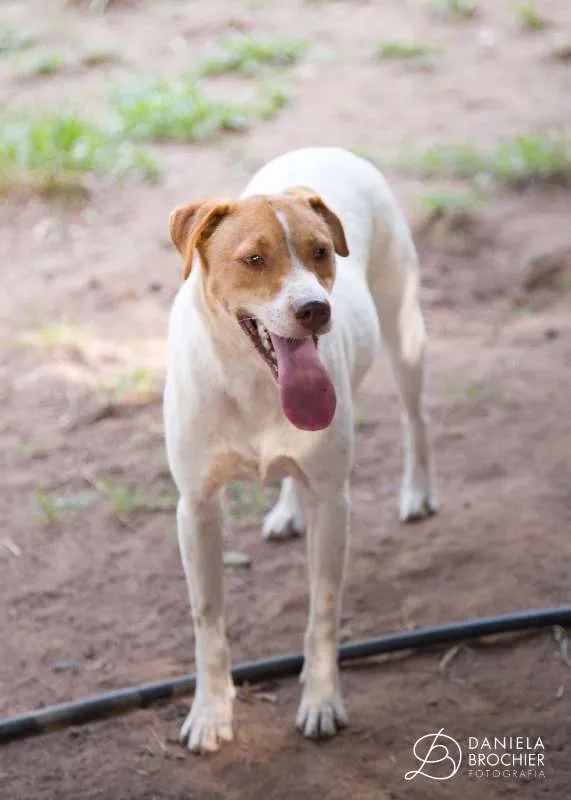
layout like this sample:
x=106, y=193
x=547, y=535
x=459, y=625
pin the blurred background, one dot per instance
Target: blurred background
x=115, y=111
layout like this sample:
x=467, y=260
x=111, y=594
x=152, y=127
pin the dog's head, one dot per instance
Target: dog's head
x=269, y=263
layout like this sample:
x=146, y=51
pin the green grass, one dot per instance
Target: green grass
x=458, y=10
x=179, y=109
x=56, y=334
x=99, y=58
x=93, y=6
x=395, y=49
x=138, y=380
x=45, y=64
x=126, y=500
x=529, y=18
x=248, y=55
x=533, y=158
x=457, y=388
x=449, y=201
x=55, y=149
x=272, y=99
x=362, y=423
x=13, y=41
x=249, y=501
x=52, y=508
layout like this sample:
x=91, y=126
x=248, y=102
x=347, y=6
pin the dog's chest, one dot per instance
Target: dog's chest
x=232, y=465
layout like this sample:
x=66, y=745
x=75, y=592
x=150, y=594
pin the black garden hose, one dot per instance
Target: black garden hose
x=111, y=703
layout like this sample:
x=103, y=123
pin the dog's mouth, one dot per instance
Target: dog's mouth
x=262, y=341
x=307, y=395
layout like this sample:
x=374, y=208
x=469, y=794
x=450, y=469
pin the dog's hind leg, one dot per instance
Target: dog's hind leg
x=395, y=289
x=286, y=518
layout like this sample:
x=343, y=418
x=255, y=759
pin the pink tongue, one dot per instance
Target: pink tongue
x=306, y=392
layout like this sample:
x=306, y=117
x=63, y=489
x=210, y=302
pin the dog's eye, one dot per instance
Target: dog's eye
x=320, y=253
x=255, y=261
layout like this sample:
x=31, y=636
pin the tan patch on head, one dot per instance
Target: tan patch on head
x=308, y=232
x=191, y=225
x=332, y=221
x=251, y=230
x=227, y=234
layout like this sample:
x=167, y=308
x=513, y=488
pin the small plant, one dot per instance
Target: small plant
x=137, y=382
x=51, y=509
x=99, y=58
x=362, y=423
x=395, y=49
x=58, y=334
x=126, y=500
x=45, y=64
x=248, y=501
x=272, y=99
x=179, y=109
x=47, y=508
x=452, y=202
x=158, y=108
x=249, y=54
x=455, y=9
x=472, y=391
x=55, y=149
x=12, y=42
x=533, y=158
x=530, y=20
x=93, y=6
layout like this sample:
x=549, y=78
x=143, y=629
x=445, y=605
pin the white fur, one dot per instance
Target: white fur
x=220, y=398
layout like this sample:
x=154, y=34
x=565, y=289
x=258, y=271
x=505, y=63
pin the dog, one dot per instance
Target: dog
x=286, y=293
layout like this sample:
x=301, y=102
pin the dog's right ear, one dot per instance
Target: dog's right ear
x=191, y=225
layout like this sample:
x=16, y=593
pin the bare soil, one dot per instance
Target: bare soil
x=94, y=598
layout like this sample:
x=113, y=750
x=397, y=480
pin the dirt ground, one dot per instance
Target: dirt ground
x=92, y=593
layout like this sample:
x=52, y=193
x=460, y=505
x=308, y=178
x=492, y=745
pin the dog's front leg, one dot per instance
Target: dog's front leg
x=200, y=541
x=321, y=710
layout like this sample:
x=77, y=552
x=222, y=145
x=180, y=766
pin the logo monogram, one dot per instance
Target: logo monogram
x=432, y=749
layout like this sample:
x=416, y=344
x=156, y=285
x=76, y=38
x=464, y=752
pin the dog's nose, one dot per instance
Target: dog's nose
x=313, y=314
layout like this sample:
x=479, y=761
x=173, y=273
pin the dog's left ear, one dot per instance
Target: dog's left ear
x=332, y=220
x=191, y=225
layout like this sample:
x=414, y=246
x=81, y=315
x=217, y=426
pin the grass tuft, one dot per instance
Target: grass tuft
x=126, y=500
x=248, y=55
x=445, y=202
x=52, y=150
x=179, y=109
x=247, y=502
x=525, y=159
x=529, y=18
x=100, y=58
x=51, y=508
x=395, y=49
x=12, y=41
x=45, y=64
x=138, y=382
x=458, y=10
x=158, y=108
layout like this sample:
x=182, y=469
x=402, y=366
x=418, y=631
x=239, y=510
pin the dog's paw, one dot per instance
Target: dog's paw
x=416, y=504
x=282, y=522
x=321, y=714
x=208, y=724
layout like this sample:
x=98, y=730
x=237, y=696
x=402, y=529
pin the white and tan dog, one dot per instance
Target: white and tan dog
x=274, y=327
